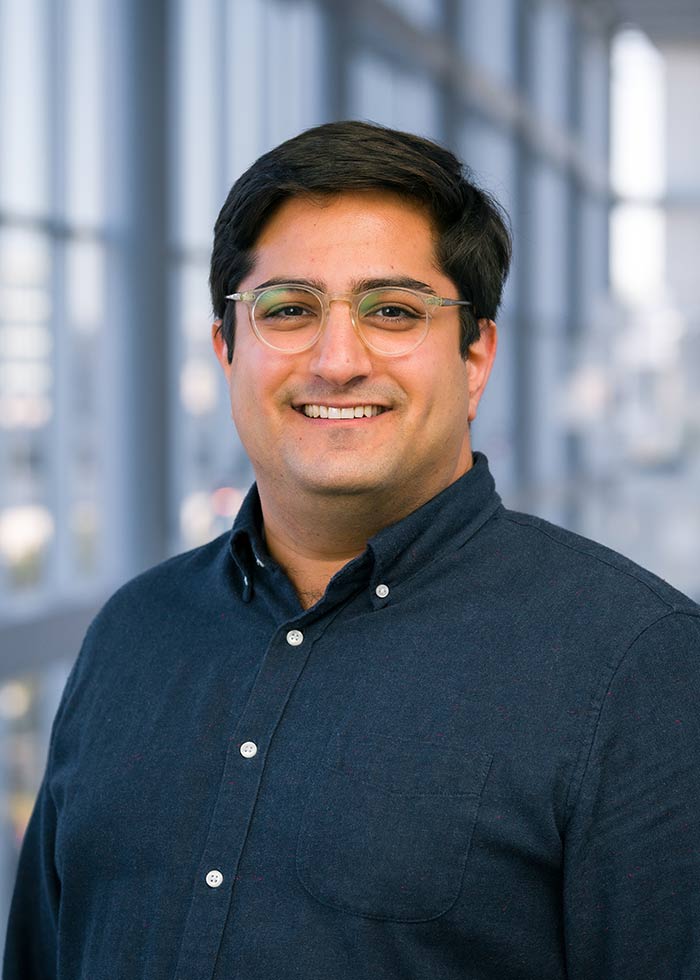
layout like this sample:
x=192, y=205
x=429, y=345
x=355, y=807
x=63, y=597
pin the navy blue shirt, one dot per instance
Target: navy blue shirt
x=477, y=756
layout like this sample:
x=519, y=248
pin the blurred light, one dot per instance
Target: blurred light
x=198, y=386
x=15, y=699
x=586, y=396
x=638, y=169
x=84, y=518
x=24, y=305
x=24, y=258
x=19, y=378
x=24, y=411
x=20, y=809
x=25, y=341
x=196, y=518
x=637, y=253
x=638, y=119
x=85, y=526
x=24, y=531
x=194, y=302
x=651, y=340
x=226, y=501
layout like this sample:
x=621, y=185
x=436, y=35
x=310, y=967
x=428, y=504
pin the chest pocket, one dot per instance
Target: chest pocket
x=387, y=827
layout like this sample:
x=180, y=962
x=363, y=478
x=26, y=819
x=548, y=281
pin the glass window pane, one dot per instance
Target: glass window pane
x=383, y=93
x=26, y=408
x=548, y=197
x=274, y=79
x=84, y=367
x=24, y=114
x=211, y=472
x=487, y=33
x=638, y=164
x=198, y=136
x=292, y=65
x=25, y=339
x=245, y=78
x=490, y=152
x=551, y=63
x=85, y=110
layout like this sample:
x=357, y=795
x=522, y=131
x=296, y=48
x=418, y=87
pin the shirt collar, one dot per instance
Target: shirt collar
x=442, y=524
x=448, y=520
x=246, y=543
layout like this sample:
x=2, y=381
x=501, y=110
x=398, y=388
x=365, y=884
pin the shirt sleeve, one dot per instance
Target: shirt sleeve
x=31, y=951
x=632, y=847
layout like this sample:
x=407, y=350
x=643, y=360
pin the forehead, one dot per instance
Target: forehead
x=370, y=231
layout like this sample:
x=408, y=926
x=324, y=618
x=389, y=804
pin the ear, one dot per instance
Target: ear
x=220, y=347
x=479, y=363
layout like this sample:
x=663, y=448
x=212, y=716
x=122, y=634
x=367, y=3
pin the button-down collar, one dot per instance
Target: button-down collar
x=397, y=551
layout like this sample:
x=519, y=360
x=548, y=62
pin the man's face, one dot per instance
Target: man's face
x=419, y=441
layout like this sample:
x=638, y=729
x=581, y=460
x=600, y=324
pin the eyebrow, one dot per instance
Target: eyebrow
x=358, y=286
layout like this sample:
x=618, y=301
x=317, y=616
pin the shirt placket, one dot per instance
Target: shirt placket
x=233, y=812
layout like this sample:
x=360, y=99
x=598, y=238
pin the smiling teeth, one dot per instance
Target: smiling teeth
x=332, y=412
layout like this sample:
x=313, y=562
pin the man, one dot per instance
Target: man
x=385, y=728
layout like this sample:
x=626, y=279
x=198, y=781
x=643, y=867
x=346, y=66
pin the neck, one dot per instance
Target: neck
x=313, y=543
x=315, y=536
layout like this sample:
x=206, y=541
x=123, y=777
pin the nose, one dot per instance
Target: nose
x=339, y=355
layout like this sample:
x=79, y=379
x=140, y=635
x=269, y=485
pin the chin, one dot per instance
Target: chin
x=341, y=484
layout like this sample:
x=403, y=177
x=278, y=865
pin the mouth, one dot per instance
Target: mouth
x=341, y=412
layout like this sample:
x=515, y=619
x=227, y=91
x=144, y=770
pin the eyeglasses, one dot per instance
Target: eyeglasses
x=390, y=320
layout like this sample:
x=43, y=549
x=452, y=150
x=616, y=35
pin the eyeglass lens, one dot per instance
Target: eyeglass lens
x=391, y=320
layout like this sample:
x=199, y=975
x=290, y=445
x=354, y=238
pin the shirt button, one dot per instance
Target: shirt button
x=214, y=879
x=248, y=750
x=382, y=591
x=295, y=637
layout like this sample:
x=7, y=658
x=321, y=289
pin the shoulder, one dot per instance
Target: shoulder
x=573, y=562
x=158, y=608
x=151, y=622
x=189, y=574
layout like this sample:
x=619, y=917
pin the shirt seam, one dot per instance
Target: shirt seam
x=671, y=606
x=487, y=513
x=597, y=707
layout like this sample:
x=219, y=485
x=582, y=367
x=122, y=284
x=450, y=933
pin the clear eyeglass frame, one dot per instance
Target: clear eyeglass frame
x=251, y=298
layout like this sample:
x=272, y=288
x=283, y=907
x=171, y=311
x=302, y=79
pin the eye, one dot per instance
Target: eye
x=391, y=312
x=392, y=309
x=286, y=307
x=288, y=311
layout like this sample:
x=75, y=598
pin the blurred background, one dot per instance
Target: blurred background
x=122, y=128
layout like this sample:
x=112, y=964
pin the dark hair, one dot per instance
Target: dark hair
x=473, y=246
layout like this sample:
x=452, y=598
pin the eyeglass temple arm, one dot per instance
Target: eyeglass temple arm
x=441, y=301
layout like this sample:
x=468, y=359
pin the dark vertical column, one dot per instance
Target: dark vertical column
x=451, y=106
x=141, y=172
x=339, y=41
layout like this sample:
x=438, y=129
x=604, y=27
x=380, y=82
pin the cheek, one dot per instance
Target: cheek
x=255, y=385
x=446, y=385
